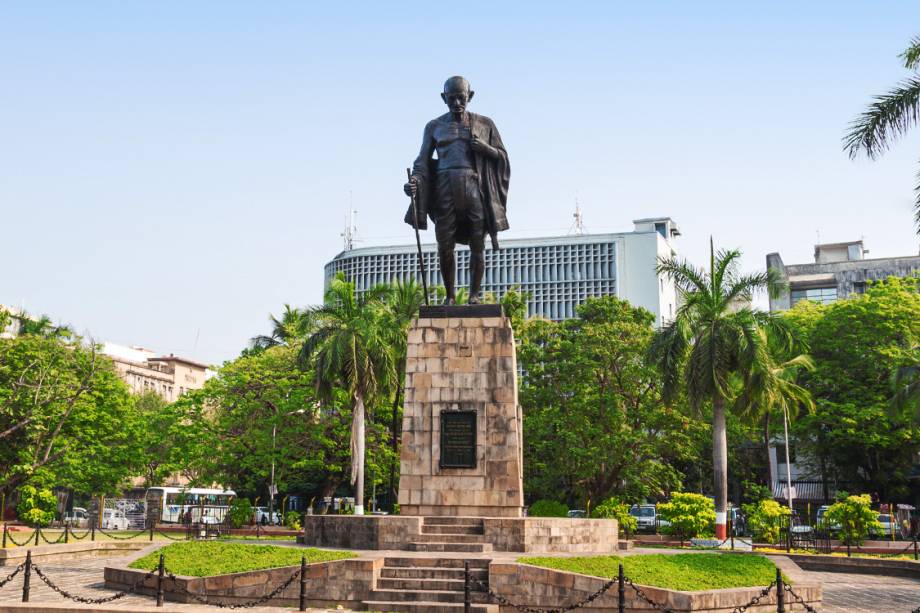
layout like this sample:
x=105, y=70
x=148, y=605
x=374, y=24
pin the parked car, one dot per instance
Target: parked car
x=77, y=518
x=114, y=520
x=577, y=513
x=889, y=526
x=261, y=515
x=646, y=517
x=822, y=524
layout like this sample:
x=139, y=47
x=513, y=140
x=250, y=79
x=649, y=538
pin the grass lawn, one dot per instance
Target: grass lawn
x=681, y=571
x=207, y=558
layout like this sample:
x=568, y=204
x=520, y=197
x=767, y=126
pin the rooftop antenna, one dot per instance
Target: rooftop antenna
x=350, y=235
x=578, y=226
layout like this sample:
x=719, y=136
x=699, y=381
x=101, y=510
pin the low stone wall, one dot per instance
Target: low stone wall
x=868, y=566
x=69, y=551
x=329, y=584
x=521, y=534
x=552, y=534
x=532, y=586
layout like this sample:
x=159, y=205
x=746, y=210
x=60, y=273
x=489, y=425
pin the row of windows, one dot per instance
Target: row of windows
x=822, y=295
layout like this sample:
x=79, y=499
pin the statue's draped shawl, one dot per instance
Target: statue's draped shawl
x=494, y=177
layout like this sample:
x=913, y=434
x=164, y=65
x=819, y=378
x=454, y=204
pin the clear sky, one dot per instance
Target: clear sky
x=172, y=171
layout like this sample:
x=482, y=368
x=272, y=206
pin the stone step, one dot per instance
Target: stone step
x=450, y=547
x=416, y=584
x=449, y=520
x=480, y=574
x=435, y=562
x=425, y=596
x=448, y=529
x=449, y=538
x=425, y=607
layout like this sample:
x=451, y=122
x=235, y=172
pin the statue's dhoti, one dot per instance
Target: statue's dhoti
x=459, y=216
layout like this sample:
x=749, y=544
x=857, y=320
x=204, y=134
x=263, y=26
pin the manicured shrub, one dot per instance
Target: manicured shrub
x=36, y=507
x=689, y=515
x=292, y=520
x=764, y=519
x=613, y=508
x=240, y=512
x=548, y=508
x=855, y=517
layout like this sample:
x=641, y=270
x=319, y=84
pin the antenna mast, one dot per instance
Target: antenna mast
x=350, y=235
x=578, y=226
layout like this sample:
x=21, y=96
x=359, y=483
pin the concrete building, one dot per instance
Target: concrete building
x=143, y=370
x=558, y=273
x=839, y=270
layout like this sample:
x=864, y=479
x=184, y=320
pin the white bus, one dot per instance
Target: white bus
x=176, y=505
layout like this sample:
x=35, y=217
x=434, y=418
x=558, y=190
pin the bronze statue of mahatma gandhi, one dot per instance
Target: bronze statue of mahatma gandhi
x=464, y=190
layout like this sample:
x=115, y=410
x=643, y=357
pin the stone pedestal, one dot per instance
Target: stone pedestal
x=462, y=438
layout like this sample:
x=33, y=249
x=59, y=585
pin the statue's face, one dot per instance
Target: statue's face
x=456, y=98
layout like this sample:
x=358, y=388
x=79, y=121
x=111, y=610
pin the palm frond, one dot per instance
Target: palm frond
x=685, y=275
x=888, y=117
x=911, y=55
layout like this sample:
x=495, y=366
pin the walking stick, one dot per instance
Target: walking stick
x=418, y=241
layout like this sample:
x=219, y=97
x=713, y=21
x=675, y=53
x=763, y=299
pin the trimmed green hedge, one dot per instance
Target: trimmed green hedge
x=207, y=558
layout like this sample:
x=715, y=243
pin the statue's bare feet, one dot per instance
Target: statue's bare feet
x=474, y=299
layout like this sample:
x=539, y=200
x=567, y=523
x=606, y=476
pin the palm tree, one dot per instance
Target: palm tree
x=403, y=304
x=773, y=386
x=715, y=339
x=889, y=116
x=42, y=326
x=293, y=324
x=350, y=348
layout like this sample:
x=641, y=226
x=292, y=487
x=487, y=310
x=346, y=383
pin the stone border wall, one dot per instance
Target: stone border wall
x=69, y=551
x=372, y=532
x=329, y=584
x=534, y=586
x=867, y=566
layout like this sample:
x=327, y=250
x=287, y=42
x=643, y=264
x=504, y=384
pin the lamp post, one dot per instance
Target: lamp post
x=271, y=488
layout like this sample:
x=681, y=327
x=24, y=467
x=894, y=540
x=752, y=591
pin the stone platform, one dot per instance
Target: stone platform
x=461, y=534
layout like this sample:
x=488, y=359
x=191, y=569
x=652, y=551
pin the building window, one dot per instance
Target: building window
x=821, y=295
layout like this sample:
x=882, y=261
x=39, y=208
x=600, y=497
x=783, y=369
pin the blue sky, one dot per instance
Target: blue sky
x=173, y=171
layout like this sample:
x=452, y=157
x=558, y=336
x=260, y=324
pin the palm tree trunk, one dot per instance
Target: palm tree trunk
x=720, y=464
x=357, y=453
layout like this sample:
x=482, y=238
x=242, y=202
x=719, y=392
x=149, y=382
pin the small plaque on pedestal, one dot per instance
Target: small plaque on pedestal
x=458, y=439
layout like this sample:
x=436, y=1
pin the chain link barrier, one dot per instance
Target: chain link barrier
x=170, y=537
x=756, y=599
x=526, y=609
x=908, y=548
x=85, y=600
x=112, y=535
x=28, y=540
x=802, y=602
x=73, y=534
x=240, y=605
x=60, y=538
x=644, y=597
x=12, y=575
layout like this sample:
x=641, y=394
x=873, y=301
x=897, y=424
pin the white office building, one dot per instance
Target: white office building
x=558, y=273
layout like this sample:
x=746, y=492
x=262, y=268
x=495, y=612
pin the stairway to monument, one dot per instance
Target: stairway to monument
x=429, y=585
x=451, y=534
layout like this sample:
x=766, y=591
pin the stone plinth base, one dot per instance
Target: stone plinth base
x=462, y=442
x=521, y=534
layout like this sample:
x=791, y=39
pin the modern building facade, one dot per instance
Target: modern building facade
x=557, y=273
x=839, y=270
x=144, y=371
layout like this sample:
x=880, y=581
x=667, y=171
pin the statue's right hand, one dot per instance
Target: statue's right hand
x=411, y=188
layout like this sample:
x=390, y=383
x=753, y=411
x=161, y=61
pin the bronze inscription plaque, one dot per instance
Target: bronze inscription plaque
x=458, y=439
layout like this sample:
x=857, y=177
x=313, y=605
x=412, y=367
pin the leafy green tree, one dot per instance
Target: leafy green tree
x=36, y=507
x=594, y=423
x=688, y=515
x=614, y=508
x=853, y=438
x=889, y=116
x=548, y=508
x=240, y=512
x=716, y=344
x=855, y=517
x=350, y=348
x=764, y=518
x=905, y=381
x=65, y=416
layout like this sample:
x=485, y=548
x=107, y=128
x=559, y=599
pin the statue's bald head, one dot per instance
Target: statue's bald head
x=456, y=84
x=457, y=94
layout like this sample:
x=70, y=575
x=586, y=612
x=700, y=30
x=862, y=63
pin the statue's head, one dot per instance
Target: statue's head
x=457, y=94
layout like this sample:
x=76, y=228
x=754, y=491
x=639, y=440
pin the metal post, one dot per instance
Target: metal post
x=92, y=536
x=303, y=583
x=789, y=535
x=780, y=592
x=621, y=602
x=38, y=532
x=4, y=537
x=27, y=576
x=731, y=529
x=915, y=547
x=66, y=534
x=161, y=572
x=467, y=603
x=151, y=528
